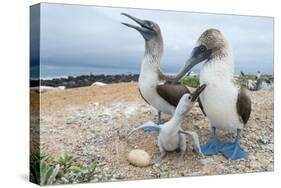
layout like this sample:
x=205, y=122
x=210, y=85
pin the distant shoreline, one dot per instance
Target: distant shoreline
x=84, y=80
x=88, y=80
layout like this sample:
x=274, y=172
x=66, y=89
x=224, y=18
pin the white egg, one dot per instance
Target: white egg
x=139, y=157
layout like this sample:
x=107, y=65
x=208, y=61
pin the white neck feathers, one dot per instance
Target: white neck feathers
x=152, y=58
x=219, y=67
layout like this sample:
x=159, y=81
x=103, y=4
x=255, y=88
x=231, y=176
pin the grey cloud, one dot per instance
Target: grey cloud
x=94, y=37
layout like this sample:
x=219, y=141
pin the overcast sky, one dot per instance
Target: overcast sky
x=86, y=39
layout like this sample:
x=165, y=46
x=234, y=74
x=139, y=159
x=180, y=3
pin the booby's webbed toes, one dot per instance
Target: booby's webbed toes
x=234, y=151
x=150, y=129
x=212, y=148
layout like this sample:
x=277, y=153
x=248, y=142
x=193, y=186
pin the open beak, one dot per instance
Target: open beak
x=139, y=21
x=197, y=92
x=144, y=28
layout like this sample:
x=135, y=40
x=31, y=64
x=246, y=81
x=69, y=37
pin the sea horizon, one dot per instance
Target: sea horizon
x=88, y=74
x=61, y=76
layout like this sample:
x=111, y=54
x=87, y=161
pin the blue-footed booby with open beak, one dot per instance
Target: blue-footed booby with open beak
x=156, y=88
x=227, y=107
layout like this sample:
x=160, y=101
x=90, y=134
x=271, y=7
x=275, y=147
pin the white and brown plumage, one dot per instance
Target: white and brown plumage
x=226, y=106
x=171, y=137
x=156, y=88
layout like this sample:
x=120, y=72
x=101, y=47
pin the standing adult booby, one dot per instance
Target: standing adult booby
x=156, y=88
x=226, y=106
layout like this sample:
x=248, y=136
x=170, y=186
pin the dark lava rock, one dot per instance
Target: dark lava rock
x=87, y=80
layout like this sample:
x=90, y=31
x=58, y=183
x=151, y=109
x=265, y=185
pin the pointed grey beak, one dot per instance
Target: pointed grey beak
x=197, y=92
x=139, y=21
x=186, y=69
x=146, y=31
x=198, y=55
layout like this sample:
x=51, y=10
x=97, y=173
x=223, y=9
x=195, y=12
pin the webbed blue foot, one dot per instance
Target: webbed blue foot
x=233, y=150
x=150, y=129
x=213, y=147
x=158, y=122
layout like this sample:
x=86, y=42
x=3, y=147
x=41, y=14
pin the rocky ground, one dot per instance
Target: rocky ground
x=93, y=123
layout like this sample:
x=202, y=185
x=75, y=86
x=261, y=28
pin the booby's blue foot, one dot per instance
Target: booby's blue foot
x=150, y=129
x=233, y=150
x=158, y=122
x=213, y=147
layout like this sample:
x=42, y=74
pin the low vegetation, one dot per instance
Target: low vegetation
x=47, y=170
x=191, y=81
x=247, y=77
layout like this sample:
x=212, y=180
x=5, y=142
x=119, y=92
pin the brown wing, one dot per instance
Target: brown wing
x=172, y=93
x=170, y=80
x=143, y=97
x=243, y=105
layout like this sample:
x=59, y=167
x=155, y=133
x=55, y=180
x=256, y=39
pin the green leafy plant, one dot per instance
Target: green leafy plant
x=48, y=173
x=65, y=161
x=46, y=170
x=247, y=77
x=191, y=81
x=35, y=159
x=79, y=173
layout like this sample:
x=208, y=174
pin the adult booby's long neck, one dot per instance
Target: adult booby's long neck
x=154, y=48
x=220, y=64
x=153, y=53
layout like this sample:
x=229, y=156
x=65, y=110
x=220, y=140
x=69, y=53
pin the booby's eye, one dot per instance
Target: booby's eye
x=189, y=97
x=202, y=48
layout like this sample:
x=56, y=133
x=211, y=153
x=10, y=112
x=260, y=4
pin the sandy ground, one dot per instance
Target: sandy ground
x=93, y=123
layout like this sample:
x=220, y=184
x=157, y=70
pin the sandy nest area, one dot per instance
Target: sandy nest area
x=93, y=122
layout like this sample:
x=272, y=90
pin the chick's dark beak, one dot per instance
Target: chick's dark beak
x=197, y=92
